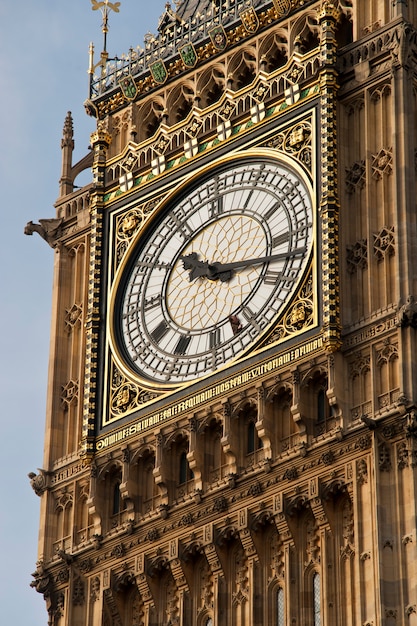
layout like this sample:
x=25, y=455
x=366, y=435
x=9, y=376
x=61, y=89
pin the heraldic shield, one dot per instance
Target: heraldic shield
x=128, y=86
x=282, y=7
x=188, y=55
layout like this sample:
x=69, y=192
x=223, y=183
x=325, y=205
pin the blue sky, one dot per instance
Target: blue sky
x=43, y=74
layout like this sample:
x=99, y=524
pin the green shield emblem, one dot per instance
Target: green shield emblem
x=128, y=86
x=188, y=55
x=159, y=72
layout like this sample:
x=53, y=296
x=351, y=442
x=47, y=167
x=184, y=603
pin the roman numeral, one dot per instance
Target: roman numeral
x=183, y=228
x=152, y=303
x=246, y=203
x=250, y=317
x=271, y=278
x=214, y=338
x=272, y=210
x=279, y=239
x=182, y=345
x=216, y=207
x=256, y=320
x=160, y=331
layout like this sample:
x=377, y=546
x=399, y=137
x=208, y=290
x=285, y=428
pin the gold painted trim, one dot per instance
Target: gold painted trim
x=245, y=129
x=212, y=393
x=234, y=156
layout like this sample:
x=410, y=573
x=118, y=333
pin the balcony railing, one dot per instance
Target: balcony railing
x=63, y=545
x=166, y=44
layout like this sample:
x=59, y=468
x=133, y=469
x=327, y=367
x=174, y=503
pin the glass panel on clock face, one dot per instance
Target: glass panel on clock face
x=214, y=271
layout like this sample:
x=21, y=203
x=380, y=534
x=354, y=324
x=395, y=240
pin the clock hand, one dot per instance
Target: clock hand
x=225, y=267
x=198, y=268
x=224, y=271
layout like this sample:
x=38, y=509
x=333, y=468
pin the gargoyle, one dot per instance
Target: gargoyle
x=48, y=229
x=37, y=482
x=407, y=314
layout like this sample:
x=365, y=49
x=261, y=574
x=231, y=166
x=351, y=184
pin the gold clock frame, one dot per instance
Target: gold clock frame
x=125, y=385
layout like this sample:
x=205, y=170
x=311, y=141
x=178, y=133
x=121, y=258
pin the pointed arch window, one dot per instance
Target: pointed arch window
x=321, y=406
x=254, y=442
x=185, y=474
x=251, y=437
x=183, y=468
x=316, y=600
x=116, y=498
x=280, y=615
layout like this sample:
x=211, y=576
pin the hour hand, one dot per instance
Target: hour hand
x=198, y=269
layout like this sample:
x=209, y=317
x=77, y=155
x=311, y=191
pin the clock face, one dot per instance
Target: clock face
x=213, y=271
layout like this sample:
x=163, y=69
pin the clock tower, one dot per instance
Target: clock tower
x=232, y=403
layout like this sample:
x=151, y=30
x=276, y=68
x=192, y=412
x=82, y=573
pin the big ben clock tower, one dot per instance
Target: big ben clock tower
x=232, y=402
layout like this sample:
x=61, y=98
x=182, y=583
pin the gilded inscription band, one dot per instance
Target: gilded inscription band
x=209, y=394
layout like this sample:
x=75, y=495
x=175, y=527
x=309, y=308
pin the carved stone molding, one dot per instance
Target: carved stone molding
x=73, y=317
x=78, y=591
x=357, y=256
x=42, y=579
x=347, y=552
x=387, y=353
x=354, y=106
x=411, y=424
x=382, y=163
x=402, y=456
x=355, y=177
x=362, y=471
x=380, y=92
x=95, y=588
x=384, y=457
x=69, y=394
x=384, y=243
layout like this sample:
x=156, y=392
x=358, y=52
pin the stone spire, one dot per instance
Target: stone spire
x=67, y=147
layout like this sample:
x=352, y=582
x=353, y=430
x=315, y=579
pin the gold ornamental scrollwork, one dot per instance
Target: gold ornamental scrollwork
x=295, y=141
x=126, y=396
x=300, y=315
x=128, y=224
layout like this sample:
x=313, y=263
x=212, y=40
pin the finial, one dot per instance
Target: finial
x=105, y=6
x=68, y=132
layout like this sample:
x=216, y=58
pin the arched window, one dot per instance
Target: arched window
x=251, y=437
x=316, y=600
x=254, y=442
x=116, y=498
x=321, y=406
x=208, y=622
x=185, y=473
x=183, y=468
x=280, y=616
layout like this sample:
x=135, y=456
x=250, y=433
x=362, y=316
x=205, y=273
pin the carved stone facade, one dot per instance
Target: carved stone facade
x=279, y=490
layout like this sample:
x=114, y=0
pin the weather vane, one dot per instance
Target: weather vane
x=105, y=6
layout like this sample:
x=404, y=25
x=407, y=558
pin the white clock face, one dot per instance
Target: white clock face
x=213, y=271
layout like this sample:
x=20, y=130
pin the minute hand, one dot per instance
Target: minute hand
x=216, y=269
